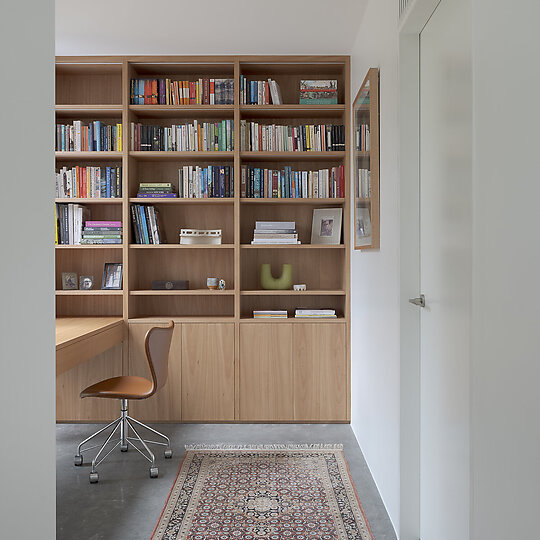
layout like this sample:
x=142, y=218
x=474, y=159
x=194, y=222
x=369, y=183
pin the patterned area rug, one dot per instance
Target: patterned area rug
x=274, y=492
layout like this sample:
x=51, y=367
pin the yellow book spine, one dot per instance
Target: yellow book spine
x=119, y=137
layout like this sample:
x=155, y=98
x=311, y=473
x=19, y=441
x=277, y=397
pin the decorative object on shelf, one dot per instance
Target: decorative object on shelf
x=326, y=226
x=174, y=285
x=221, y=285
x=112, y=276
x=200, y=236
x=212, y=283
x=319, y=92
x=69, y=281
x=281, y=283
x=86, y=283
x=300, y=287
x=366, y=163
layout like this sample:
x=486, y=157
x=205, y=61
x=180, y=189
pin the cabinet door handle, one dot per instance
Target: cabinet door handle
x=420, y=301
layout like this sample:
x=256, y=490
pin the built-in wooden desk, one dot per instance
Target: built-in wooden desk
x=80, y=338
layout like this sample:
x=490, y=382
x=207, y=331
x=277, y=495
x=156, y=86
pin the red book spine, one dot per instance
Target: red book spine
x=154, y=92
x=78, y=180
x=212, y=91
x=192, y=93
x=266, y=93
x=84, y=187
x=147, y=92
x=274, y=184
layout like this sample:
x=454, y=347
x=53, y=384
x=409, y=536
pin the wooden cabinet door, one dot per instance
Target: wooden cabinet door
x=70, y=407
x=266, y=375
x=207, y=372
x=320, y=372
x=166, y=404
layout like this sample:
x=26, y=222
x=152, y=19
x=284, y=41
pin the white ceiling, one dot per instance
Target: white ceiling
x=208, y=27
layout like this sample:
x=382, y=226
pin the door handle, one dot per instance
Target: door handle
x=420, y=301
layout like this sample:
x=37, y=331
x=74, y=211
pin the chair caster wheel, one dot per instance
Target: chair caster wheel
x=153, y=472
x=78, y=461
x=168, y=453
x=94, y=477
x=123, y=448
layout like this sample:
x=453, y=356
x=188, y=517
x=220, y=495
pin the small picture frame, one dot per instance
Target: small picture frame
x=69, y=281
x=86, y=283
x=112, y=276
x=326, y=226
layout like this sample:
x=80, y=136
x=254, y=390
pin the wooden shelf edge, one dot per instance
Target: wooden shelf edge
x=181, y=246
x=89, y=246
x=92, y=292
x=284, y=200
x=184, y=292
x=182, y=200
x=89, y=200
x=163, y=319
x=292, y=246
x=68, y=156
x=289, y=292
x=334, y=320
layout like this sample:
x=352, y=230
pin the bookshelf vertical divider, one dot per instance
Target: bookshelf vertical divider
x=304, y=364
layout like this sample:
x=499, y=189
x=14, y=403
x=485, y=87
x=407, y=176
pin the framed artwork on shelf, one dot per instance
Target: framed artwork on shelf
x=326, y=226
x=112, y=276
x=366, y=163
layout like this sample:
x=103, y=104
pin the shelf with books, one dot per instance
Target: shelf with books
x=291, y=303
x=181, y=156
x=182, y=200
x=181, y=246
x=186, y=292
x=292, y=156
x=292, y=246
x=84, y=200
x=88, y=246
x=182, y=111
x=292, y=111
x=292, y=319
x=293, y=201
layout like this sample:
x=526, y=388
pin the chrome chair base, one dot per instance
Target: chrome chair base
x=123, y=423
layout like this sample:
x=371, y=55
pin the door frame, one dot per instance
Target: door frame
x=413, y=20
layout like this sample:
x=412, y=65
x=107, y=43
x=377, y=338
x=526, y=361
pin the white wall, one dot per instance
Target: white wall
x=209, y=27
x=505, y=374
x=375, y=275
x=27, y=485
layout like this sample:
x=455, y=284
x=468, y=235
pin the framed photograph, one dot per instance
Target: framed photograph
x=86, y=283
x=326, y=226
x=69, y=281
x=112, y=276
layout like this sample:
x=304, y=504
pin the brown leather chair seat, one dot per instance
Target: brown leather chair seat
x=124, y=387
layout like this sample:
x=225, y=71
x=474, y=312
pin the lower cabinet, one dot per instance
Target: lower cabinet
x=293, y=372
x=200, y=383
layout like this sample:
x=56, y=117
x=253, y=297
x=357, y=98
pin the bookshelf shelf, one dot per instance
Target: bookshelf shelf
x=182, y=156
x=189, y=292
x=88, y=156
x=307, y=201
x=292, y=156
x=214, y=329
x=263, y=292
x=181, y=200
x=79, y=200
x=94, y=292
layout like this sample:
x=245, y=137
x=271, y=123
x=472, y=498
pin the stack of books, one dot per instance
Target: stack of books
x=102, y=232
x=362, y=138
x=318, y=92
x=257, y=137
x=275, y=232
x=213, y=181
x=315, y=313
x=259, y=92
x=270, y=314
x=156, y=190
x=147, y=226
x=288, y=184
x=95, y=137
x=69, y=223
x=169, y=92
x=89, y=182
x=195, y=137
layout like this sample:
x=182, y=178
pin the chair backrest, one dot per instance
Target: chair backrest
x=157, y=344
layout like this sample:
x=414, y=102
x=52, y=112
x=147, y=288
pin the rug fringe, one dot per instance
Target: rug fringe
x=317, y=446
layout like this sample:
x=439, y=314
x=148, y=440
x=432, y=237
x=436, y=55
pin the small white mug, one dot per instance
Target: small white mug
x=212, y=282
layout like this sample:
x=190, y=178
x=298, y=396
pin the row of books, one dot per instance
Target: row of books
x=213, y=181
x=279, y=138
x=259, y=92
x=318, y=92
x=363, y=189
x=275, y=232
x=168, y=92
x=362, y=138
x=147, y=225
x=299, y=313
x=94, y=137
x=89, y=182
x=195, y=137
x=288, y=184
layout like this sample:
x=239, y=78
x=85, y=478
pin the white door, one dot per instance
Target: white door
x=445, y=268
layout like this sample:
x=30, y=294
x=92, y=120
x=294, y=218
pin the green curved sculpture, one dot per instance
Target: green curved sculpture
x=276, y=284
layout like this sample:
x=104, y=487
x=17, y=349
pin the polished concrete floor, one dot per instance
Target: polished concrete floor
x=126, y=503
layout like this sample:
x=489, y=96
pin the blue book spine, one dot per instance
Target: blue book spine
x=143, y=224
x=296, y=187
x=98, y=136
x=63, y=133
x=108, y=183
x=257, y=183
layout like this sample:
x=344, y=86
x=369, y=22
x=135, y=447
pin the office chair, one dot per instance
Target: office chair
x=157, y=343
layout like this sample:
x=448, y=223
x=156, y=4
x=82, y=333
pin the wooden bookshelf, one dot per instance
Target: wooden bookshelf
x=218, y=348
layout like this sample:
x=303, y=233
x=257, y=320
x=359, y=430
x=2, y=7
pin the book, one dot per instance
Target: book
x=212, y=181
x=275, y=225
x=270, y=314
x=315, y=313
x=146, y=224
x=94, y=137
x=69, y=223
x=259, y=92
x=103, y=224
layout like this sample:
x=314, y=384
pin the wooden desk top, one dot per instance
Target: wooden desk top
x=81, y=338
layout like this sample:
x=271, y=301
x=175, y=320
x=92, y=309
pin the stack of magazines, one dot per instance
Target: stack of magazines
x=316, y=313
x=275, y=232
